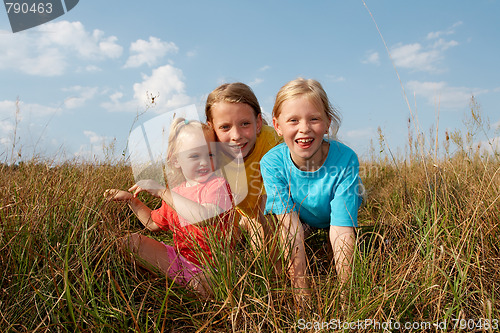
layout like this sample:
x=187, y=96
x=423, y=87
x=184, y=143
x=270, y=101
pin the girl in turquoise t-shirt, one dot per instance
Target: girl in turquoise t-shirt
x=310, y=180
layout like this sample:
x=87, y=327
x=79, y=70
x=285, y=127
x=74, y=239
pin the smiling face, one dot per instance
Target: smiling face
x=237, y=125
x=303, y=124
x=195, y=158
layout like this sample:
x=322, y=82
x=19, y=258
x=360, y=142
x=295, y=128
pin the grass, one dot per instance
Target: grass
x=428, y=251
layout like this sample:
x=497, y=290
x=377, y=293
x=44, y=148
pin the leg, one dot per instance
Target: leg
x=172, y=264
x=151, y=251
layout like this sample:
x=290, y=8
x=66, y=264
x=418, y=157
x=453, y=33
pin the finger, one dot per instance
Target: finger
x=110, y=193
x=137, y=191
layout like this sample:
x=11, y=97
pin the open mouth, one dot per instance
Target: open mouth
x=203, y=172
x=239, y=147
x=304, y=143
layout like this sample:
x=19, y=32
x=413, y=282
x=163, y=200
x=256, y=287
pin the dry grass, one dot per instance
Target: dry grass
x=428, y=251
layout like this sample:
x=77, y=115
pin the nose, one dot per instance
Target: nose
x=304, y=126
x=204, y=161
x=235, y=134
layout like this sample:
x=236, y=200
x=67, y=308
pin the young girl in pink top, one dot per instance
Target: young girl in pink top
x=197, y=207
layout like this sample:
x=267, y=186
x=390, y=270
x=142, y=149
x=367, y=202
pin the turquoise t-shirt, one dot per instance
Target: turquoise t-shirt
x=328, y=196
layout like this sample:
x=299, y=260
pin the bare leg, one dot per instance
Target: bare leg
x=156, y=254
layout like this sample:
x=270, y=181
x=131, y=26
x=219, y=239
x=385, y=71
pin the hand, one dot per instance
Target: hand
x=148, y=185
x=117, y=195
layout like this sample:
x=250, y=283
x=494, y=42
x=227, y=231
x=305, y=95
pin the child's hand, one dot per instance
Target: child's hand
x=148, y=185
x=117, y=195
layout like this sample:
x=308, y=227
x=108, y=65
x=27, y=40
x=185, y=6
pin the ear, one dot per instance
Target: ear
x=259, y=123
x=277, y=126
x=175, y=163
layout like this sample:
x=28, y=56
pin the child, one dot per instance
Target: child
x=234, y=113
x=193, y=209
x=311, y=181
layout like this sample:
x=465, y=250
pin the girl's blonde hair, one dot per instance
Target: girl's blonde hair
x=236, y=92
x=313, y=90
x=172, y=174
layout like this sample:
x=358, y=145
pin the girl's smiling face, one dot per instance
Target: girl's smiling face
x=195, y=159
x=237, y=125
x=303, y=125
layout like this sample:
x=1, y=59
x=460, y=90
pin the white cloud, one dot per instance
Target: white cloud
x=264, y=68
x=496, y=125
x=92, y=68
x=442, y=95
x=372, y=58
x=6, y=132
x=51, y=51
x=80, y=95
x=491, y=146
x=361, y=133
x=428, y=57
x=98, y=148
x=449, y=31
x=414, y=57
x=144, y=52
x=165, y=83
x=336, y=78
x=8, y=108
x=256, y=82
x=73, y=37
x=116, y=104
x=95, y=138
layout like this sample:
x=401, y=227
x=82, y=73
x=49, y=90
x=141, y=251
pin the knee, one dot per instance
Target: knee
x=131, y=242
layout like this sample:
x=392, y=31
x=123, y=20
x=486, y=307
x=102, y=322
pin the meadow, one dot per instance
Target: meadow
x=427, y=253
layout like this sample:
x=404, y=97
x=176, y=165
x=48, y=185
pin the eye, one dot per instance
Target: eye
x=224, y=127
x=245, y=124
x=193, y=156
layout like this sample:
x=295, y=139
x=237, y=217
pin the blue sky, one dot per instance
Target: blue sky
x=82, y=78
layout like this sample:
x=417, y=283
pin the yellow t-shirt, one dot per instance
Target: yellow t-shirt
x=247, y=190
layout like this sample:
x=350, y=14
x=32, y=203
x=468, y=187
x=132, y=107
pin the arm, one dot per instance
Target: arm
x=292, y=237
x=193, y=212
x=342, y=241
x=140, y=210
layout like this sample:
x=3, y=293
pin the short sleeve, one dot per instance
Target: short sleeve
x=347, y=197
x=276, y=185
x=165, y=216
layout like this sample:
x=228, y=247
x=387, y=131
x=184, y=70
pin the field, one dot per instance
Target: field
x=427, y=254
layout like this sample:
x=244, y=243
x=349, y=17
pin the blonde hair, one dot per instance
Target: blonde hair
x=172, y=174
x=236, y=92
x=313, y=90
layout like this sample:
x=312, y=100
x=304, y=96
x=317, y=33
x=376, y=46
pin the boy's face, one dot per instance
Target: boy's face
x=195, y=157
x=236, y=124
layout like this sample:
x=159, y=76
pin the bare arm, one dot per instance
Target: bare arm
x=193, y=212
x=140, y=210
x=342, y=240
x=292, y=235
